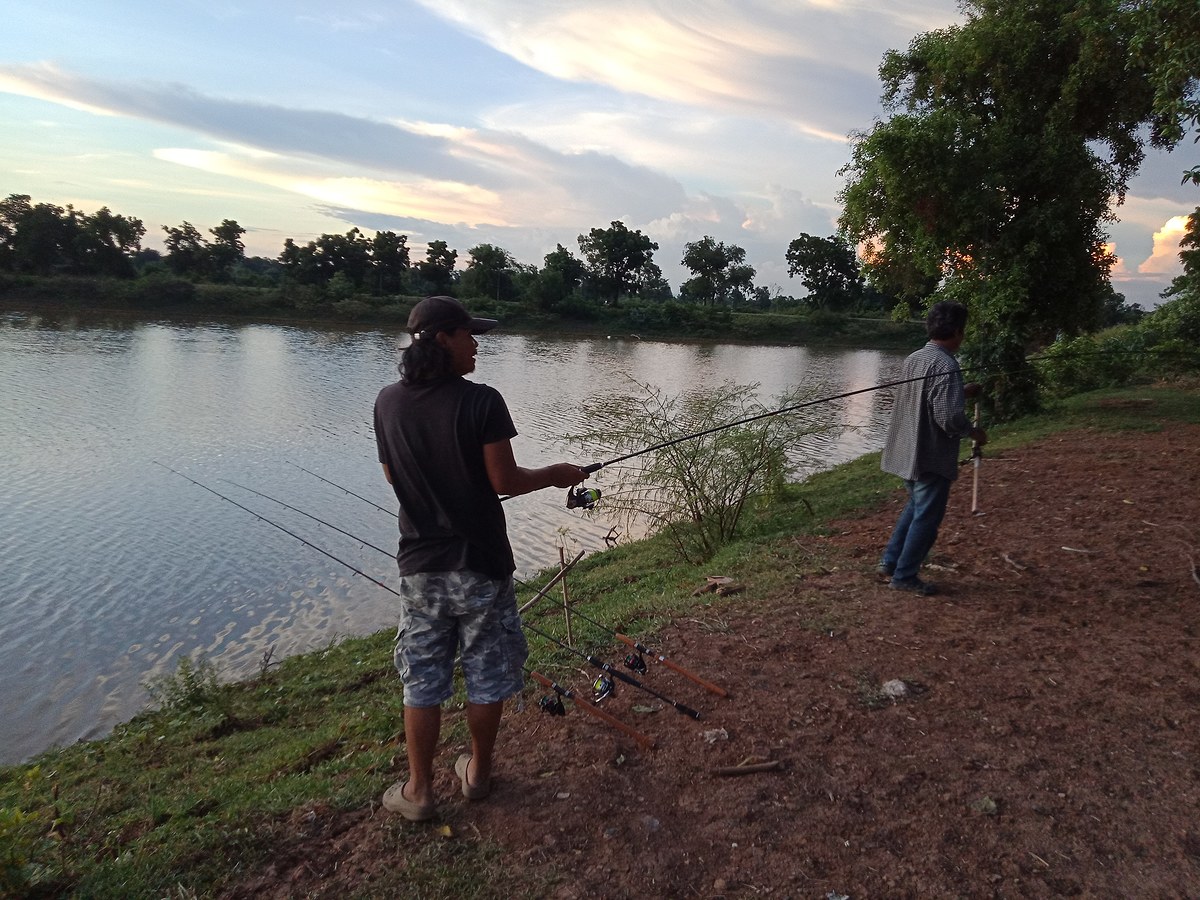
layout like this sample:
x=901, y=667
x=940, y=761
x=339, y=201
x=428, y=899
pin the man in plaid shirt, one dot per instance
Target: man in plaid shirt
x=928, y=422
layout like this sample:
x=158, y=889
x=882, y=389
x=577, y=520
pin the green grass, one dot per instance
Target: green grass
x=183, y=800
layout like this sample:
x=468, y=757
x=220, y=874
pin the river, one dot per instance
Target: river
x=113, y=567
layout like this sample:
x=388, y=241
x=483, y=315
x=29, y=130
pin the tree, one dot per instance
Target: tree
x=619, y=261
x=560, y=276
x=389, y=258
x=348, y=255
x=1167, y=43
x=1010, y=136
x=187, y=251
x=319, y=261
x=300, y=263
x=438, y=267
x=720, y=273
x=226, y=250
x=829, y=270
x=36, y=239
x=489, y=273
x=1178, y=320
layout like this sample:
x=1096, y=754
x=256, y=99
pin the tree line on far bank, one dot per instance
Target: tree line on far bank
x=614, y=265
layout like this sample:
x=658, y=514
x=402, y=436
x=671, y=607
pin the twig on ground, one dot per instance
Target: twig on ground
x=1016, y=565
x=749, y=765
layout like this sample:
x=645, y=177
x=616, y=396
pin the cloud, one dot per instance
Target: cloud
x=1164, y=260
x=424, y=170
x=813, y=63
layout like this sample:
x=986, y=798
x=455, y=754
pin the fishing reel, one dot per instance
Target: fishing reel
x=603, y=688
x=552, y=705
x=580, y=497
x=635, y=662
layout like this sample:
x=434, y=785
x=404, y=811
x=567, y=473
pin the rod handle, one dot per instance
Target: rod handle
x=674, y=667
x=594, y=467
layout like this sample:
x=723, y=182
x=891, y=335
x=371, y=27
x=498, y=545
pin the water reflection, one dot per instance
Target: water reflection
x=114, y=567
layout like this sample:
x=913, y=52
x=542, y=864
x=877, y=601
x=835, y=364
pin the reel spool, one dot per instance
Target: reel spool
x=582, y=498
x=603, y=687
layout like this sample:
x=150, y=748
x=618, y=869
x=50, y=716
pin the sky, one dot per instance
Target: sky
x=517, y=123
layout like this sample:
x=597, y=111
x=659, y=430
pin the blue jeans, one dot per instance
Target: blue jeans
x=917, y=528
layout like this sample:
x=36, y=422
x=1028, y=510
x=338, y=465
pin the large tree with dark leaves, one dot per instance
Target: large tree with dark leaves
x=619, y=261
x=1011, y=139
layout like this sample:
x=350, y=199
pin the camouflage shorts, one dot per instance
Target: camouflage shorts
x=443, y=613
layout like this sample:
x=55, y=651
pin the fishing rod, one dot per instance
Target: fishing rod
x=578, y=497
x=635, y=662
x=615, y=673
x=286, y=531
x=346, y=490
x=595, y=467
x=555, y=708
x=354, y=537
x=538, y=596
x=562, y=572
x=630, y=660
x=600, y=664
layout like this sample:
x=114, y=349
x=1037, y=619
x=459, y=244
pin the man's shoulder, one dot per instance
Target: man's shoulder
x=481, y=392
x=934, y=356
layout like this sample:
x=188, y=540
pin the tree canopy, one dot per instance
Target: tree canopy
x=719, y=273
x=828, y=268
x=1011, y=139
x=619, y=261
x=44, y=239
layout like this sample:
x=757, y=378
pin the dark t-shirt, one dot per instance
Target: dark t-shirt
x=430, y=435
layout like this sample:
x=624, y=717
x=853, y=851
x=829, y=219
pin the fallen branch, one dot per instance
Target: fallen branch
x=748, y=766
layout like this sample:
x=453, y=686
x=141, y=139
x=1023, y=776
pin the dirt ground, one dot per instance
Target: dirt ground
x=1045, y=743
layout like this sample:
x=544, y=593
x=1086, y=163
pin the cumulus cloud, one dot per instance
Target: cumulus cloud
x=1165, y=257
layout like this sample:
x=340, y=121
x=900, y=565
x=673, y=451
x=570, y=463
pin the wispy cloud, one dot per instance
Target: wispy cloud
x=812, y=63
x=426, y=170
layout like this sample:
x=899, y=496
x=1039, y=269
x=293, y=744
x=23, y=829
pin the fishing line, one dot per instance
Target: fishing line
x=595, y=467
x=600, y=664
x=262, y=518
x=340, y=488
x=354, y=537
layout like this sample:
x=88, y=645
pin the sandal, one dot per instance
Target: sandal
x=470, y=791
x=395, y=801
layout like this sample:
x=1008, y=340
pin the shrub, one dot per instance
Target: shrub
x=705, y=460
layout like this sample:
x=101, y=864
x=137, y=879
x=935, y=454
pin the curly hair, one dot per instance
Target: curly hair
x=945, y=320
x=424, y=360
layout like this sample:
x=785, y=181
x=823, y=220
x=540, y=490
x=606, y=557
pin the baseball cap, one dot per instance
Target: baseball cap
x=441, y=313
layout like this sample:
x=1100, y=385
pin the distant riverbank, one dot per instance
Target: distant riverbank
x=179, y=299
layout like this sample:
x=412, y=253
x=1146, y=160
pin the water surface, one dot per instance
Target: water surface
x=114, y=568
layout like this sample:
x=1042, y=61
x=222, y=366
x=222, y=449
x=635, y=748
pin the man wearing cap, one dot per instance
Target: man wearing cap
x=445, y=446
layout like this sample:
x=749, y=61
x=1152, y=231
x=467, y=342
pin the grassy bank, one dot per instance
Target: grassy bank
x=184, y=800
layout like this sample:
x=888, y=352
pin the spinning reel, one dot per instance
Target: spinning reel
x=552, y=706
x=635, y=663
x=603, y=687
x=580, y=497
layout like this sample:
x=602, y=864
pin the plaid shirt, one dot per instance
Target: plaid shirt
x=928, y=420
